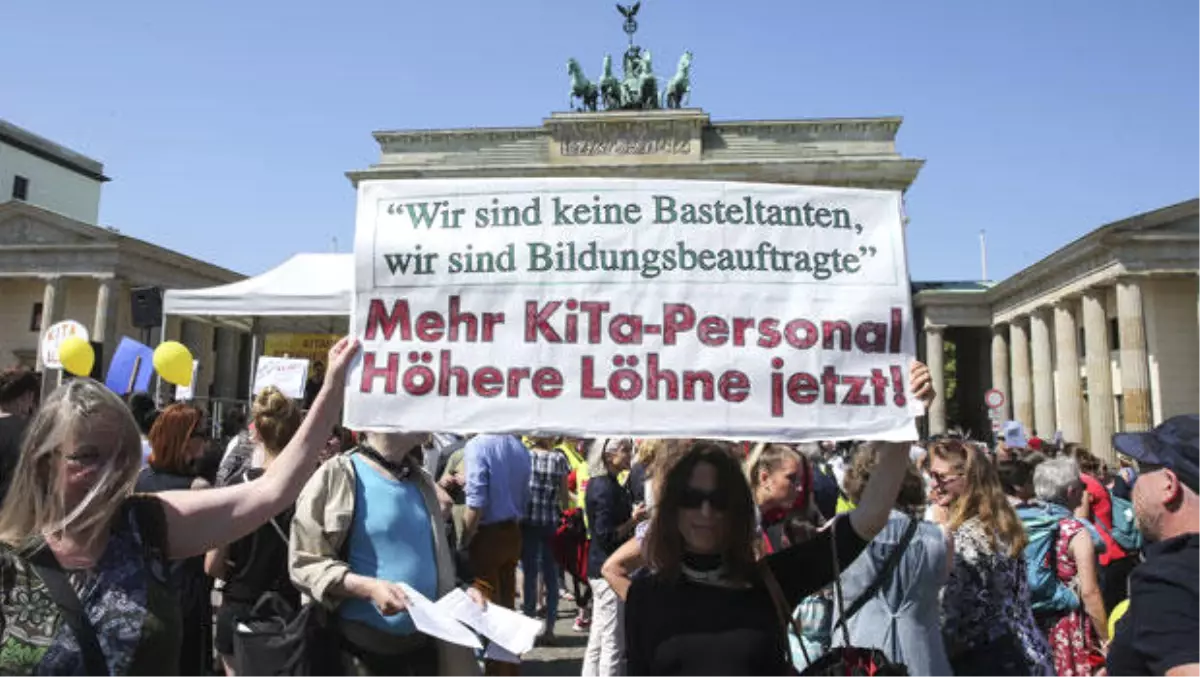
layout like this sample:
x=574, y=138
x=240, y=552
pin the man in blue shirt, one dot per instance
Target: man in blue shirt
x=498, y=469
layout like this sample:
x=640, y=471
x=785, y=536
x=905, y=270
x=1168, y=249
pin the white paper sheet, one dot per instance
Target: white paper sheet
x=496, y=652
x=513, y=631
x=434, y=621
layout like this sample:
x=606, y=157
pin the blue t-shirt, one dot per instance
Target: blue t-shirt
x=390, y=539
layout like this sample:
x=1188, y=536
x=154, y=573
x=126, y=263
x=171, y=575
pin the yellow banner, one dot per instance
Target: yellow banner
x=313, y=347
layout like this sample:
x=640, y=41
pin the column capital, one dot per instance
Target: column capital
x=933, y=328
x=1066, y=301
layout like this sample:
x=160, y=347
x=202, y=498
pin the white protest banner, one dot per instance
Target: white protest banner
x=53, y=337
x=596, y=307
x=287, y=374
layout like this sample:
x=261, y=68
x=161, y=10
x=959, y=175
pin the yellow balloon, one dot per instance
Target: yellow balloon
x=1118, y=611
x=173, y=362
x=76, y=355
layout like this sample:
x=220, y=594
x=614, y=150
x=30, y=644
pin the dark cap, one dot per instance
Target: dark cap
x=1172, y=445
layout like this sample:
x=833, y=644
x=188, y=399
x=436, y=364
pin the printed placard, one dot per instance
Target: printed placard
x=616, y=307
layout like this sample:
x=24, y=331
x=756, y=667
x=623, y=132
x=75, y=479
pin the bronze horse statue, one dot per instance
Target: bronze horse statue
x=581, y=88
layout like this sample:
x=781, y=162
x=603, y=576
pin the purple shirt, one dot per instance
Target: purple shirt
x=498, y=470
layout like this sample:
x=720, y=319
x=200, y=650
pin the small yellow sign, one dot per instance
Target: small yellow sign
x=312, y=347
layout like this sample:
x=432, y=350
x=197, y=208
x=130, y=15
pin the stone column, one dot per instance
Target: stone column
x=935, y=359
x=1070, y=390
x=1044, y=423
x=1022, y=387
x=227, y=364
x=1135, y=374
x=54, y=299
x=104, y=328
x=1000, y=369
x=1099, y=376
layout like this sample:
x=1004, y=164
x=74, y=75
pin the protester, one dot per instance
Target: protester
x=77, y=525
x=144, y=411
x=548, y=498
x=240, y=453
x=497, y=492
x=257, y=563
x=707, y=608
x=899, y=610
x=987, y=622
x=18, y=400
x=1097, y=506
x=781, y=485
x=1076, y=635
x=453, y=481
x=366, y=521
x=177, y=442
x=612, y=518
x=1157, y=635
x=313, y=385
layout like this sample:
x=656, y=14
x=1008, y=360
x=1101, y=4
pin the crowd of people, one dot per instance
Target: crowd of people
x=121, y=519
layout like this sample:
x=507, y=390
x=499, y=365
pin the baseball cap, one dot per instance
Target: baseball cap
x=1172, y=445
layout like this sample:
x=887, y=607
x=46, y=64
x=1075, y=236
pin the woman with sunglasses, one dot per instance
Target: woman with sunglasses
x=987, y=618
x=708, y=607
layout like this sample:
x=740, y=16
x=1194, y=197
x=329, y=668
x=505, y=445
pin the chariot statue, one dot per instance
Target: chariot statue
x=637, y=89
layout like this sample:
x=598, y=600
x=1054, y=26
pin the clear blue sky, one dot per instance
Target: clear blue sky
x=227, y=126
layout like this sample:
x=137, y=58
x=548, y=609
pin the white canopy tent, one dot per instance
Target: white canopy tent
x=308, y=292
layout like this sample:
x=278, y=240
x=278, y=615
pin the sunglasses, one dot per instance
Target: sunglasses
x=693, y=499
x=939, y=478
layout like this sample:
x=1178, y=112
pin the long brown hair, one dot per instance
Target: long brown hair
x=169, y=438
x=664, y=542
x=984, y=496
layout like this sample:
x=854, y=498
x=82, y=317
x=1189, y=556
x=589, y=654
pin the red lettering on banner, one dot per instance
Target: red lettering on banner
x=370, y=372
x=431, y=325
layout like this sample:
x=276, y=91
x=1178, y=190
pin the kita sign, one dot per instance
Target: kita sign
x=53, y=338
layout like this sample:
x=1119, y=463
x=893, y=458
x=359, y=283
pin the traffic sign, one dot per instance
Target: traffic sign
x=994, y=399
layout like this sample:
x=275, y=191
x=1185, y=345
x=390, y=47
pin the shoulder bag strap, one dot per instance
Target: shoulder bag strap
x=272, y=522
x=884, y=575
x=67, y=601
x=786, y=619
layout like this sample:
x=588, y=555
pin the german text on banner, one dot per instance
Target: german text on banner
x=619, y=307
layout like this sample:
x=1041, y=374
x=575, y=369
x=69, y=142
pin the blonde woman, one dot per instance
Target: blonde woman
x=257, y=563
x=987, y=620
x=72, y=532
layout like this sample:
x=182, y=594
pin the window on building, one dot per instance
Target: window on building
x=20, y=188
x=1114, y=335
x=35, y=317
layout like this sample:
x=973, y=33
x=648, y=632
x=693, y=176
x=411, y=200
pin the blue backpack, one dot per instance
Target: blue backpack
x=1124, y=529
x=1046, y=592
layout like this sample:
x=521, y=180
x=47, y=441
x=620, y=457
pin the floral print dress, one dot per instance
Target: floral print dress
x=1072, y=636
x=126, y=597
x=987, y=622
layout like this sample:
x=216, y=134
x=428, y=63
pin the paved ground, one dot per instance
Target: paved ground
x=565, y=657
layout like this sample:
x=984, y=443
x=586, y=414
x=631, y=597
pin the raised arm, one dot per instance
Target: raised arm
x=201, y=520
x=879, y=496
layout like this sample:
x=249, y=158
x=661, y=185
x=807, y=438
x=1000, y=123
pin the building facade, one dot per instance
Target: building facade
x=1100, y=337
x=57, y=264
x=37, y=171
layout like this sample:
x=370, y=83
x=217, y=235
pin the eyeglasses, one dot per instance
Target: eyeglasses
x=939, y=478
x=693, y=499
